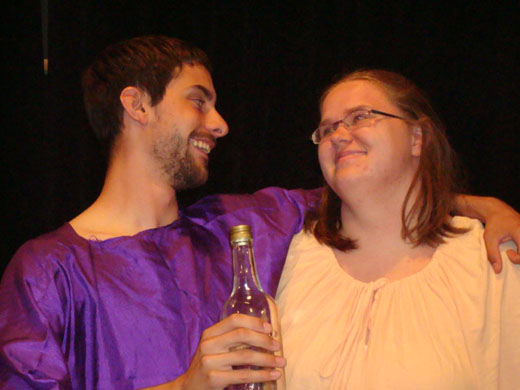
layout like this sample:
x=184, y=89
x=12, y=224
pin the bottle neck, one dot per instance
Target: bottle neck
x=244, y=267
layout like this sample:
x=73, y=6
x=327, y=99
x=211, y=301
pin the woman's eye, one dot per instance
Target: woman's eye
x=326, y=131
x=359, y=116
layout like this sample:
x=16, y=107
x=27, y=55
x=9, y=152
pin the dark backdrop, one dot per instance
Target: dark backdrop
x=271, y=63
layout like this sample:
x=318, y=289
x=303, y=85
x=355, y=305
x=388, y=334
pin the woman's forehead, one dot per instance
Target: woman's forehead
x=351, y=93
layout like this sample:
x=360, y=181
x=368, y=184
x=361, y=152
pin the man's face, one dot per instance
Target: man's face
x=185, y=126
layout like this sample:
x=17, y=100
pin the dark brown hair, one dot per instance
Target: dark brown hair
x=149, y=63
x=425, y=222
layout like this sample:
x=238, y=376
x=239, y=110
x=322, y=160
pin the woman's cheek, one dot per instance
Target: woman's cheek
x=326, y=161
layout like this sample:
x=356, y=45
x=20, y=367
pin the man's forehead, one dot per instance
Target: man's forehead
x=194, y=76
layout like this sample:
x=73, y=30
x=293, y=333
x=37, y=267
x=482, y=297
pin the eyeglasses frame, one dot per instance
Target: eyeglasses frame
x=337, y=123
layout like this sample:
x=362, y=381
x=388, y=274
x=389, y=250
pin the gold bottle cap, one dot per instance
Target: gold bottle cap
x=240, y=233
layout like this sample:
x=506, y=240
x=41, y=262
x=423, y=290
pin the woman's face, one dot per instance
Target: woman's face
x=381, y=152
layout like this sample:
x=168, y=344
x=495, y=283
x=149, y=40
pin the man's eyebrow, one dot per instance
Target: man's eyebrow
x=207, y=93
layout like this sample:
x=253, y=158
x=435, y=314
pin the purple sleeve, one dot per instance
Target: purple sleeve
x=30, y=355
x=275, y=215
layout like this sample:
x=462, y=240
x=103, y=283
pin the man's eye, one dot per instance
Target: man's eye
x=198, y=102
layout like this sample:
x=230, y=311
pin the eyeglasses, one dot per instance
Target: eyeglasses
x=353, y=120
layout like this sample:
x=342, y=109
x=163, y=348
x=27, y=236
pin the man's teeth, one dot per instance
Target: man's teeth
x=201, y=145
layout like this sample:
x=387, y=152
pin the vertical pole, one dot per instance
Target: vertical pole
x=45, y=35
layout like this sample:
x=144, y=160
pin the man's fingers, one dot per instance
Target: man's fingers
x=493, y=242
x=252, y=357
x=237, y=321
x=238, y=337
x=221, y=379
x=241, y=358
x=513, y=256
x=255, y=376
x=493, y=251
x=235, y=367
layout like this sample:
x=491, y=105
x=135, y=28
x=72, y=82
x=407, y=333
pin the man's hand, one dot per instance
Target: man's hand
x=502, y=224
x=226, y=344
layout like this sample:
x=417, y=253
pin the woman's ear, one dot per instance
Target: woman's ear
x=133, y=101
x=417, y=140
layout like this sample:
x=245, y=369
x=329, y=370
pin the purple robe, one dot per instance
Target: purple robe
x=128, y=312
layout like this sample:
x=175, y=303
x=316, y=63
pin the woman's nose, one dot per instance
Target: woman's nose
x=341, y=134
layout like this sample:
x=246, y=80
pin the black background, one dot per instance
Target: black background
x=271, y=62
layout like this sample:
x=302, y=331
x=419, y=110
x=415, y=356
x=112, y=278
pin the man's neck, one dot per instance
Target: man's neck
x=131, y=201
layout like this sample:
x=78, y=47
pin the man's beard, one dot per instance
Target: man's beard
x=178, y=165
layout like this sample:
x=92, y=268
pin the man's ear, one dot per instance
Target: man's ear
x=417, y=140
x=134, y=103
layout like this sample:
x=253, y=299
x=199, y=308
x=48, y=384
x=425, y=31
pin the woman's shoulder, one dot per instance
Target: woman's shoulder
x=463, y=258
x=304, y=246
x=472, y=241
x=307, y=259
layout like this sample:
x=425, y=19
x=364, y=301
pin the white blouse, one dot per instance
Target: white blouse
x=452, y=325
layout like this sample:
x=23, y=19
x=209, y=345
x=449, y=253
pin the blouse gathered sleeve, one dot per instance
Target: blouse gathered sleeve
x=488, y=307
x=31, y=321
x=508, y=282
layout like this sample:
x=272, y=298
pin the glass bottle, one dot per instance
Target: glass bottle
x=248, y=297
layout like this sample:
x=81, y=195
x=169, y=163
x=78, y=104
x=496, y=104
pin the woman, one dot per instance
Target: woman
x=383, y=289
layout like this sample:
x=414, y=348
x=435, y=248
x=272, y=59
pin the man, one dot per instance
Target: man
x=125, y=295
x=119, y=297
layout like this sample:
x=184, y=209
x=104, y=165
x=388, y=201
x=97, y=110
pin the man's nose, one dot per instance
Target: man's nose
x=216, y=124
